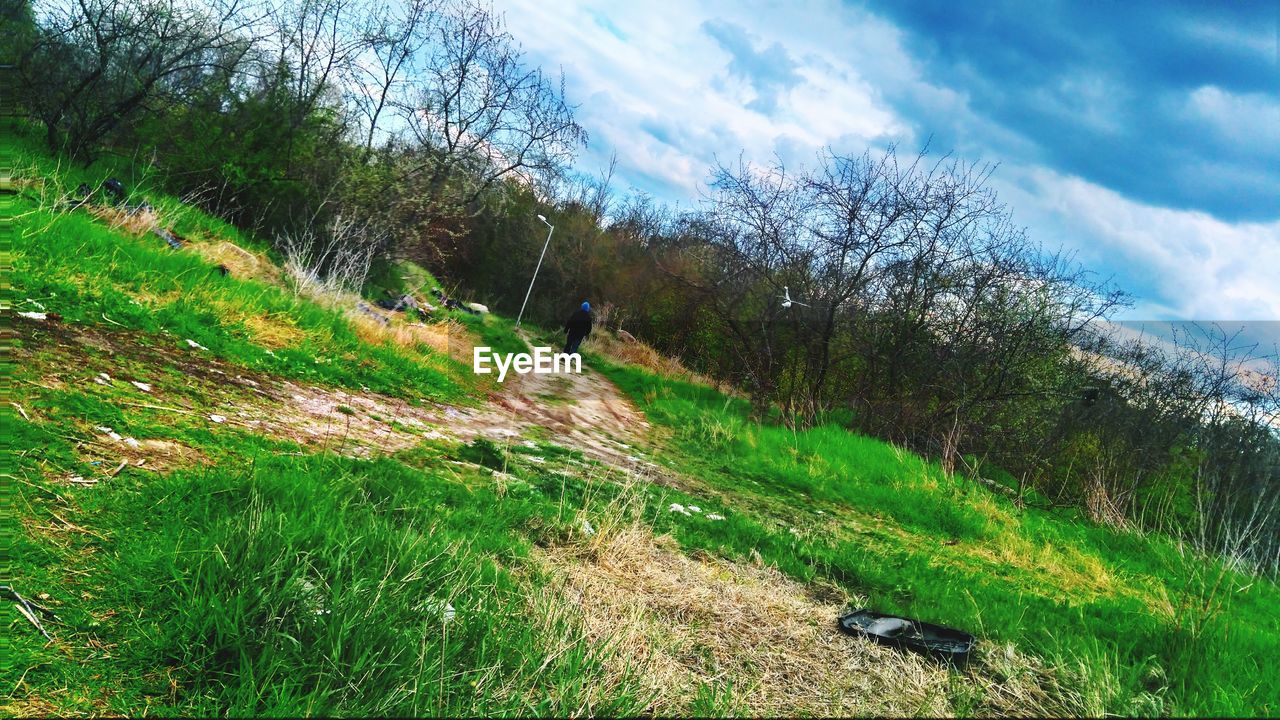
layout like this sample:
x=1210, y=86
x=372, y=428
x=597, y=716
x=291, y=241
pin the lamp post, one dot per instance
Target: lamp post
x=535, y=269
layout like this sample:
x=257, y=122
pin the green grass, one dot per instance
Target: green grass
x=898, y=530
x=271, y=579
x=244, y=590
x=75, y=265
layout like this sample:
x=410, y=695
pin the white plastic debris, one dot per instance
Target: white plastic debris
x=587, y=529
x=316, y=599
x=196, y=345
x=695, y=508
x=678, y=508
x=144, y=387
x=109, y=433
x=132, y=442
x=714, y=516
x=218, y=418
x=535, y=459
x=444, y=609
x=103, y=379
x=33, y=315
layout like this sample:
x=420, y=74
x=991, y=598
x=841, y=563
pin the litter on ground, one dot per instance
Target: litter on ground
x=218, y=418
x=937, y=641
x=33, y=315
x=109, y=433
x=196, y=345
x=144, y=387
x=443, y=609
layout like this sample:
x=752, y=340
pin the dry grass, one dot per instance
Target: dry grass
x=274, y=331
x=135, y=223
x=239, y=262
x=636, y=352
x=689, y=622
x=449, y=336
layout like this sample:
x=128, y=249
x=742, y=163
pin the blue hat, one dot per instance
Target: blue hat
x=586, y=306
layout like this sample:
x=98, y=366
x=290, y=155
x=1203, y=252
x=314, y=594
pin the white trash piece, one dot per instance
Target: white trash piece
x=109, y=433
x=218, y=418
x=195, y=344
x=678, y=508
x=443, y=609
x=32, y=315
x=714, y=516
x=587, y=529
x=144, y=387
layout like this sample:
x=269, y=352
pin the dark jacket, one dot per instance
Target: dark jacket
x=579, y=323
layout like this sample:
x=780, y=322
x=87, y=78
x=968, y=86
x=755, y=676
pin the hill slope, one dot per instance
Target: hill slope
x=227, y=497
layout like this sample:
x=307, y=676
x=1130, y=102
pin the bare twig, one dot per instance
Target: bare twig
x=25, y=608
x=158, y=407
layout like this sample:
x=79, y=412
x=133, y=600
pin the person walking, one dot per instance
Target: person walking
x=578, y=327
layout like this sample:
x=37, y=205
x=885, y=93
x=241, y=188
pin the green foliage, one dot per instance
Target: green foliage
x=79, y=267
x=827, y=504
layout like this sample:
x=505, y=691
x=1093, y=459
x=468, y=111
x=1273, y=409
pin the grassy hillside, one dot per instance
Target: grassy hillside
x=1151, y=626
x=235, y=499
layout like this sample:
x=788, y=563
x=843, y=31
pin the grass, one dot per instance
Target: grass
x=249, y=569
x=1158, y=628
x=74, y=264
x=383, y=590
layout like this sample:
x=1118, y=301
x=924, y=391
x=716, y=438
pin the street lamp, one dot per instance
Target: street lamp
x=535, y=269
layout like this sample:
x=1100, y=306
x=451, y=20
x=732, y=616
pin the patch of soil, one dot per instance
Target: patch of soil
x=593, y=418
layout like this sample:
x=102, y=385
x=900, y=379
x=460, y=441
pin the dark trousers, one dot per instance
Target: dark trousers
x=571, y=346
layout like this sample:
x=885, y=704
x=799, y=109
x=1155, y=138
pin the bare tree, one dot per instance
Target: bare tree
x=480, y=113
x=94, y=64
x=394, y=36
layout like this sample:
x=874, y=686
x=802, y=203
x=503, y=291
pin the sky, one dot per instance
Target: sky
x=1142, y=136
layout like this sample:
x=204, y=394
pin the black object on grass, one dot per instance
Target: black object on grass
x=936, y=641
x=115, y=189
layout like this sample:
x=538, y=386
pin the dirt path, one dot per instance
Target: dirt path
x=583, y=411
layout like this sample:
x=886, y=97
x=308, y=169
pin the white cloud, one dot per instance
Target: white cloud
x=670, y=73
x=1197, y=267
x=655, y=89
